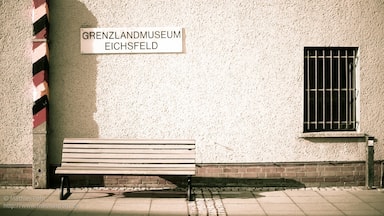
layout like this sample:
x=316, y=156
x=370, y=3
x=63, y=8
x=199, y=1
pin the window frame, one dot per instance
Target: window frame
x=313, y=120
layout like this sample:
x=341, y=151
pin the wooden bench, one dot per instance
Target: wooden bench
x=85, y=156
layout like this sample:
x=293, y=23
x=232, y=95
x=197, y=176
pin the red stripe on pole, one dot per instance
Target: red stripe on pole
x=42, y=34
x=40, y=77
x=38, y=3
x=40, y=117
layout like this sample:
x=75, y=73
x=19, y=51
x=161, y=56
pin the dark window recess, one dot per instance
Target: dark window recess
x=330, y=89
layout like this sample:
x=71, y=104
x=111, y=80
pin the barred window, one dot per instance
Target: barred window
x=330, y=89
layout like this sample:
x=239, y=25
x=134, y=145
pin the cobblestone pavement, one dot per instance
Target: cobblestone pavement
x=273, y=201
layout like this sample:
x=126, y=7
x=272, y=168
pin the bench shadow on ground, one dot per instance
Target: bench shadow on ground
x=202, y=187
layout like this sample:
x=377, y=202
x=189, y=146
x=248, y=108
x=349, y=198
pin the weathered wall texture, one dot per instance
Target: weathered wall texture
x=16, y=101
x=237, y=89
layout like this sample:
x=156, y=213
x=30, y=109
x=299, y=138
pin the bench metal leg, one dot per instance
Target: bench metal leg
x=189, y=192
x=64, y=180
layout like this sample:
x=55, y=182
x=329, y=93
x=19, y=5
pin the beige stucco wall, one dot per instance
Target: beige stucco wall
x=237, y=89
x=15, y=82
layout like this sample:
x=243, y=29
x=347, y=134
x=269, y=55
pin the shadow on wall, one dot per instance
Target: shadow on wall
x=72, y=77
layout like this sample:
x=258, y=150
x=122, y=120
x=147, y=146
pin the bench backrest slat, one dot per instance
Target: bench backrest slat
x=127, y=141
x=129, y=146
x=131, y=156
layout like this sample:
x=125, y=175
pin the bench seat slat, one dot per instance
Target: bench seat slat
x=127, y=165
x=112, y=160
x=85, y=168
x=125, y=171
x=109, y=172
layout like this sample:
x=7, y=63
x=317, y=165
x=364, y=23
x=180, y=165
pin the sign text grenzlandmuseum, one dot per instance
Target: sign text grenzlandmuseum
x=131, y=40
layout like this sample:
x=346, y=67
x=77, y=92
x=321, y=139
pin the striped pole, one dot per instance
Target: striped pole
x=40, y=61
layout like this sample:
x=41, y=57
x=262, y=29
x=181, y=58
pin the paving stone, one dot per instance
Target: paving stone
x=209, y=201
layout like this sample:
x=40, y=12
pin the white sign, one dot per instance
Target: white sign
x=131, y=40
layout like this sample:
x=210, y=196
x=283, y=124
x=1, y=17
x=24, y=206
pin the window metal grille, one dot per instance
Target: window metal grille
x=330, y=89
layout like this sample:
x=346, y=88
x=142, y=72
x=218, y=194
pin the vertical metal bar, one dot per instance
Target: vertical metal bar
x=331, y=88
x=308, y=93
x=350, y=88
x=316, y=89
x=353, y=90
x=324, y=90
x=346, y=89
x=338, y=89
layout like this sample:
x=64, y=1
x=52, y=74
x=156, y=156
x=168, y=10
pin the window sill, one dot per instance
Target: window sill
x=332, y=135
